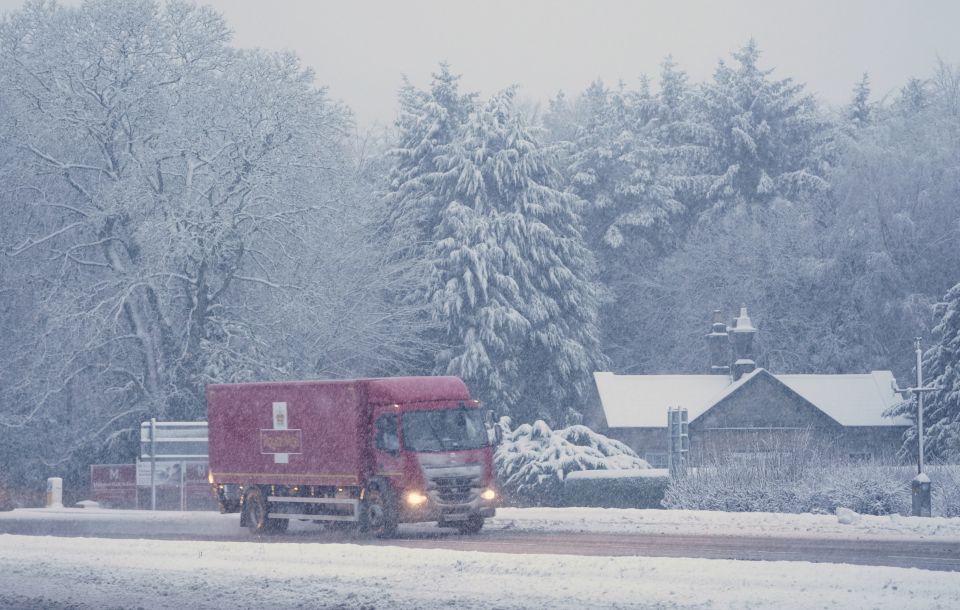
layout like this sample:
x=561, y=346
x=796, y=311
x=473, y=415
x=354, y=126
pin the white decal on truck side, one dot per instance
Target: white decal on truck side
x=280, y=423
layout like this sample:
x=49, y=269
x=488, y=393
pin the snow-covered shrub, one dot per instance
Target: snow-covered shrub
x=945, y=488
x=532, y=461
x=865, y=488
x=815, y=488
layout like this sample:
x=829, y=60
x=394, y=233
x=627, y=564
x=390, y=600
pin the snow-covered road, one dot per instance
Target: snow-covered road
x=597, y=520
x=894, y=543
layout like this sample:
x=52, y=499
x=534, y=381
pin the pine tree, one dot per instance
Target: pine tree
x=859, y=114
x=511, y=280
x=615, y=167
x=941, y=367
x=766, y=134
x=428, y=121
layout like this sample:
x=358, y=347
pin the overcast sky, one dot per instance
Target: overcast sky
x=360, y=48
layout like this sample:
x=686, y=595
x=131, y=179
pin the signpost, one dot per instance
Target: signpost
x=170, y=447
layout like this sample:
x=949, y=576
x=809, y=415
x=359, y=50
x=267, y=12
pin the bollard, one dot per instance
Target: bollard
x=920, y=491
x=54, y=492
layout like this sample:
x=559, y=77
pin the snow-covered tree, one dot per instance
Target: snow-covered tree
x=176, y=210
x=532, y=461
x=766, y=134
x=615, y=167
x=428, y=121
x=858, y=113
x=511, y=281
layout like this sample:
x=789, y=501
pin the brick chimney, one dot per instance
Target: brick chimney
x=719, y=343
x=741, y=338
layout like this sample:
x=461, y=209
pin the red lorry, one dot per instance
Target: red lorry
x=372, y=452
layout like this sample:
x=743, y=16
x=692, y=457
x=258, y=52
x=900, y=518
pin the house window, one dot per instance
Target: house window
x=656, y=459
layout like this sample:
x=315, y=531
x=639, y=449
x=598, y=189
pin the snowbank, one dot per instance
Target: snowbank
x=90, y=573
x=700, y=522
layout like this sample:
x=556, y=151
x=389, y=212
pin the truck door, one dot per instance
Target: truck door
x=389, y=462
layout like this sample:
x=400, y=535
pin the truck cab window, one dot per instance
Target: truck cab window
x=388, y=437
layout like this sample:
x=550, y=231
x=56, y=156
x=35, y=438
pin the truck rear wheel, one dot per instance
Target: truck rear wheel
x=379, y=516
x=255, y=515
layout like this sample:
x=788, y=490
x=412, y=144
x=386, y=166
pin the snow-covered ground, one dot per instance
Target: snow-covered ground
x=77, y=573
x=80, y=573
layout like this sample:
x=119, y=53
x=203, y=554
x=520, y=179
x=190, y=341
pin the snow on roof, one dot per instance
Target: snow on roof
x=852, y=400
x=641, y=401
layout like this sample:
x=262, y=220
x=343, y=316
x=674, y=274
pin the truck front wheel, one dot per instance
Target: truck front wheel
x=254, y=515
x=379, y=516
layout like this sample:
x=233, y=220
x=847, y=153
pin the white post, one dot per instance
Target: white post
x=54, y=492
x=153, y=463
x=183, y=466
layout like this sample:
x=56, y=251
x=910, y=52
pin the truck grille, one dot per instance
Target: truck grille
x=456, y=490
x=454, y=484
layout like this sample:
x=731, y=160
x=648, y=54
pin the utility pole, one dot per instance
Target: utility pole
x=920, y=486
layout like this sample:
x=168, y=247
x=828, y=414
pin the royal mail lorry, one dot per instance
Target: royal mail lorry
x=372, y=452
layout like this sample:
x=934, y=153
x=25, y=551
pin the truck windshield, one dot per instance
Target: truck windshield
x=444, y=430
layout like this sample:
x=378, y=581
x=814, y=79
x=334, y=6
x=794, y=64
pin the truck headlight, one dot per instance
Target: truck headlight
x=415, y=498
x=488, y=494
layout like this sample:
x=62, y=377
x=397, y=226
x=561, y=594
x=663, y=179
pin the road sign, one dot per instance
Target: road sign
x=114, y=485
x=173, y=440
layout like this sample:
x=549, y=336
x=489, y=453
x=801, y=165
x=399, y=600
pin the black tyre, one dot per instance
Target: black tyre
x=255, y=515
x=472, y=525
x=379, y=515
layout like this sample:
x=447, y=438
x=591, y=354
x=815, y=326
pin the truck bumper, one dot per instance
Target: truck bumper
x=431, y=511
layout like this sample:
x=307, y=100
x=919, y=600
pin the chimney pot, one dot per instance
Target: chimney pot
x=719, y=343
x=741, y=337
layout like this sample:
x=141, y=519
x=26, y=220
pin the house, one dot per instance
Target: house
x=742, y=410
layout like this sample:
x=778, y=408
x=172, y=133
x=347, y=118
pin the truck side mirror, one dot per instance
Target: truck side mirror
x=494, y=433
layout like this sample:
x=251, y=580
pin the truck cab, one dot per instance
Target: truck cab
x=436, y=456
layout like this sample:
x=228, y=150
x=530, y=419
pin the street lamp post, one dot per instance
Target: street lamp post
x=920, y=485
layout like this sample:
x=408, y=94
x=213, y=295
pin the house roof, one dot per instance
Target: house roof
x=641, y=401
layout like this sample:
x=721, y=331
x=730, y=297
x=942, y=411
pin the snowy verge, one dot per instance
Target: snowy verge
x=716, y=523
x=599, y=520
x=84, y=573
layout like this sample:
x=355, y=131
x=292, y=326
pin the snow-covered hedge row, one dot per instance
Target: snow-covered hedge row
x=632, y=490
x=866, y=489
x=533, y=461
